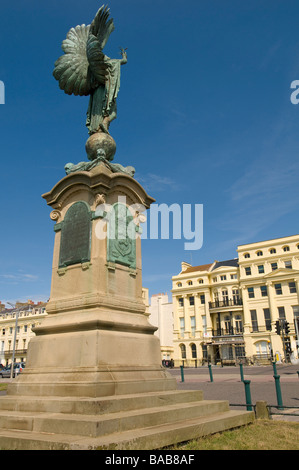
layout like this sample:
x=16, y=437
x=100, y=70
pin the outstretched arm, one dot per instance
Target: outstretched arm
x=124, y=59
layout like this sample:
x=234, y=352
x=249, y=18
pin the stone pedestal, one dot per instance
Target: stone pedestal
x=93, y=377
x=96, y=340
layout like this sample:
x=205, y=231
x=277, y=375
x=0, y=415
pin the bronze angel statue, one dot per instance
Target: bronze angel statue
x=85, y=70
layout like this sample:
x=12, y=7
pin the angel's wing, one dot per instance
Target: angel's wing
x=102, y=27
x=83, y=67
x=72, y=69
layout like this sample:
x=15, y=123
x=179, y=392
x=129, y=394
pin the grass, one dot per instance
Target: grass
x=260, y=435
x=3, y=387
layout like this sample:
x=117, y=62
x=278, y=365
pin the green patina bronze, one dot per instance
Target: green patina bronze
x=85, y=70
x=121, y=242
x=75, y=235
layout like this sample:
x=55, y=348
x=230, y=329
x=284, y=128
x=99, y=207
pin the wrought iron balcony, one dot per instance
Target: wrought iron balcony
x=229, y=331
x=226, y=303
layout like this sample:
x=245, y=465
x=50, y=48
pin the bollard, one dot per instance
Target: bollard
x=211, y=373
x=262, y=410
x=298, y=373
x=274, y=367
x=182, y=373
x=247, y=394
x=278, y=392
x=241, y=372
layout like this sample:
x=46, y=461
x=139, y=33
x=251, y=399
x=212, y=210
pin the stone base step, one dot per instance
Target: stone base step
x=110, y=423
x=100, y=405
x=153, y=437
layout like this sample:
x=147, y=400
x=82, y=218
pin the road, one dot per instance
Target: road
x=227, y=384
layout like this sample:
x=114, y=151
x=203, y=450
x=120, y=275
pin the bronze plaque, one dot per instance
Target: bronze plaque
x=121, y=237
x=75, y=235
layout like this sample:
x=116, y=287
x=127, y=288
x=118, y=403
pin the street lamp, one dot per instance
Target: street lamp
x=14, y=341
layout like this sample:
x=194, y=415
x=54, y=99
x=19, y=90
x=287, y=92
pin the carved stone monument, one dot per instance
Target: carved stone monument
x=93, y=376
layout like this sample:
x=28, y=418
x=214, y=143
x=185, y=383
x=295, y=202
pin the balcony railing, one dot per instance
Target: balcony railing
x=226, y=303
x=230, y=331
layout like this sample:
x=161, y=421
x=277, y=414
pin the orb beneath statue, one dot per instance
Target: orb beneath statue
x=103, y=141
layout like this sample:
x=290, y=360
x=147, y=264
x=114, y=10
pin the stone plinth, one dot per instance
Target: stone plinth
x=96, y=340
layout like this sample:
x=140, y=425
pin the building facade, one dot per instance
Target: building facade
x=245, y=309
x=161, y=316
x=29, y=316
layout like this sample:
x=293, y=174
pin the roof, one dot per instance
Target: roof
x=231, y=262
x=203, y=267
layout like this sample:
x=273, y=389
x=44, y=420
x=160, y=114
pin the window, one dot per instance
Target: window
x=281, y=313
x=10, y=330
x=264, y=291
x=191, y=300
x=204, y=348
x=179, y=284
x=200, y=281
x=234, y=276
x=261, y=269
x=225, y=296
x=238, y=323
x=204, y=323
x=247, y=255
x=259, y=253
x=262, y=348
x=216, y=296
x=3, y=331
x=190, y=283
x=278, y=289
x=181, y=302
x=183, y=351
x=227, y=324
x=286, y=248
x=254, y=322
x=182, y=327
x=223, y=278
x=202, y=299
x=236, y=296
x=214, y=279
x=296, y=312
x=288, y=264
x=272, y=251
x=193, y=351
x=292, y=287
x=193, y=325
x=25, y=328
x=248, y=271
x=273, y=266
x=267, y=317
x=251, y=292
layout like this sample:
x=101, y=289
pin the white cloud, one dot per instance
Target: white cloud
x=17, y=278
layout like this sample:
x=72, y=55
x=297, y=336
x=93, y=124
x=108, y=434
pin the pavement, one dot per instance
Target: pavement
x=227, y=385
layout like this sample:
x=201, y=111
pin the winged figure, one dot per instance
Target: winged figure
x=85, y=70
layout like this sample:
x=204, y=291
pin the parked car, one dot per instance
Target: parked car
x=18, y=367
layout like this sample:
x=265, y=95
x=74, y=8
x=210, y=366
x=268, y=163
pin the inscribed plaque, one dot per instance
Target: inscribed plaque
x=75, y=235
x=121, y=237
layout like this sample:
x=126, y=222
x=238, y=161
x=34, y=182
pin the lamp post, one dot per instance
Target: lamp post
x=14, y=341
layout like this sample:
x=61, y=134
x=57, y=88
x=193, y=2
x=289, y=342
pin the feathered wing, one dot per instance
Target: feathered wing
x=72, y=69
x=100, y=30
x=102, y=27
x=83, y=67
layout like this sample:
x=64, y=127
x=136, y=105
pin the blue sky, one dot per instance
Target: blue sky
x=204, y=115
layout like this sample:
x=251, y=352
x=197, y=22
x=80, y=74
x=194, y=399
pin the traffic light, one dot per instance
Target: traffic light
x=277, y=327
x=286, y=327
x=288, y=348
